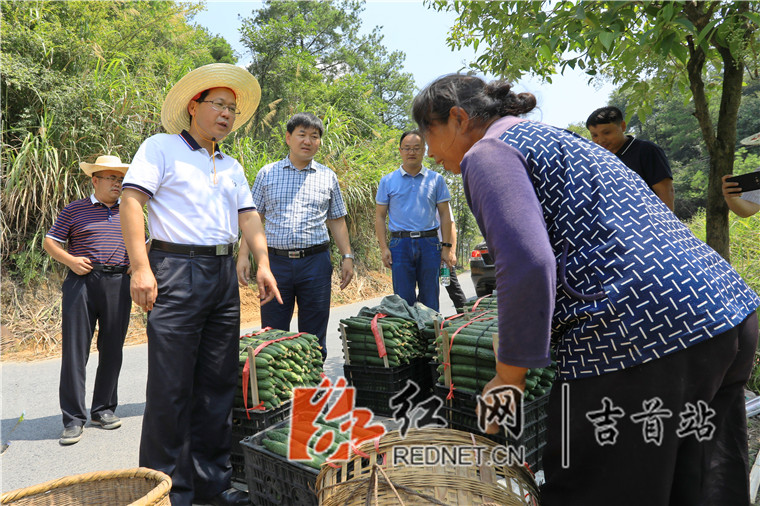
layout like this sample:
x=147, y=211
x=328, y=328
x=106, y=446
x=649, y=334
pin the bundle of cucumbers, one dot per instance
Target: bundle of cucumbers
x=428, y=336
x=402, y=337
x=276, y=440
x=473, y=362
x=481, y=304
x=280, y=366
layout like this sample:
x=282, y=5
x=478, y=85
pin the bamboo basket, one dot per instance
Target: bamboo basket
x=133, y=487
x=375, y=479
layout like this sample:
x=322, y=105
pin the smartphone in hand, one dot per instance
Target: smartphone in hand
x=747, y=182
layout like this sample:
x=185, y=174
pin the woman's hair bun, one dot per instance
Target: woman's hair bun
x=498, y=90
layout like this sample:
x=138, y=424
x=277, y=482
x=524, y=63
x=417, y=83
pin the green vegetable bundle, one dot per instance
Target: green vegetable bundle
x=473, y=362
x=481, y=304
x=402, y=337
x=280, y=366
x=277, y=440
x=428, y=337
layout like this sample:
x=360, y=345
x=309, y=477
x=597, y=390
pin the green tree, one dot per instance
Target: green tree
x=78, y=79
x=310, y=53
x=672, y=125
x=679, y=42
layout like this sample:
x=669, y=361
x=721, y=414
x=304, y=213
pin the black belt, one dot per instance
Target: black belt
x=110, y=269
x=426, y=233
x=192, y=249
x=300, y=253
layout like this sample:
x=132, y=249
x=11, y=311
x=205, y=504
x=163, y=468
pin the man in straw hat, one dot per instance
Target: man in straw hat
x=96, y=289
x=197, y=198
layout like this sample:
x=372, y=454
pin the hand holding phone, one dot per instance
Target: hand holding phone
x=746, y=183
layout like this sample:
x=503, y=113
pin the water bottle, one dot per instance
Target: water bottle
x=445, y=277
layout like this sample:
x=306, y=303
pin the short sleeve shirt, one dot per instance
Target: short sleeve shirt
x=296, y=203
x=412, y=200
x=194, y=198
x=752, y=196
x=646, y=159
x=632, y=282
x=92, y=230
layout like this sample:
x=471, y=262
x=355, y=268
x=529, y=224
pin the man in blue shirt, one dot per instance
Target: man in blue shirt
x=409, y=198
x=300, y=200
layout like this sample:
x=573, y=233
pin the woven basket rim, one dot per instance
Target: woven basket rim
x=451, y=436
x=160, y=490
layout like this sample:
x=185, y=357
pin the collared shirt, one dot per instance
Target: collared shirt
x=412, y=200
x=646, y=159
x=194, y=198
x=93, y=230
x=296, y=203
x=588, y=255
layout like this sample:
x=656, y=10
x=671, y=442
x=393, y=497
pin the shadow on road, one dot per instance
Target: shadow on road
x=49, y=427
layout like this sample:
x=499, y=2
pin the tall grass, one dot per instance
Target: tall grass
x=37, y=182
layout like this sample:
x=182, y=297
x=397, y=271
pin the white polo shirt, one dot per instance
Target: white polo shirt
x=191, y=201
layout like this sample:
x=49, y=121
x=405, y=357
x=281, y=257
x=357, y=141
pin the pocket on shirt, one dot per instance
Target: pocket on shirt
x=571, y=291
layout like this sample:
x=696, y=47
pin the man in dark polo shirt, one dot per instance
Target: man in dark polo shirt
x=95, y=290
x=645, y=158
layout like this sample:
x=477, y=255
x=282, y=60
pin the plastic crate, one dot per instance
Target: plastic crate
x=243, y=426
x=460, y=414
x=273, y=480
x=375, y=386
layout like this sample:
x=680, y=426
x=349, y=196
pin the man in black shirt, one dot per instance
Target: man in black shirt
x=645, y=158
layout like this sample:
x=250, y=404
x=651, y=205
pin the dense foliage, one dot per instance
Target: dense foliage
x=682, y=43
x=671, y=124
x=80, y=79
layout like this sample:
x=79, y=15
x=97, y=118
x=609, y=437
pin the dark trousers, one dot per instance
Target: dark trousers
x=638, y=469
x=455, y=290
x=308, y=282
x=193, y=335
x=94, y=297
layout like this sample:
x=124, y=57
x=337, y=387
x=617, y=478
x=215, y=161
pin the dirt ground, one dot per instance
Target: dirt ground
x=31, y=320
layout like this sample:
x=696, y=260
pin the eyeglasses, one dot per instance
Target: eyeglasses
x=112, y=179
x=219, y=106
x=411, y=150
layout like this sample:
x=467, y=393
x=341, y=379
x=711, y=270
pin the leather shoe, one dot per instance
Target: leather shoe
x=107, y=420
x=230, y=497
x=71, y=435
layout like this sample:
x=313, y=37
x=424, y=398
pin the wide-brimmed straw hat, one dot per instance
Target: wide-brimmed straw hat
x=174, y=115
x=105, y=162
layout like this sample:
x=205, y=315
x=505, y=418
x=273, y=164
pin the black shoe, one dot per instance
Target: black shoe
x=230, y=497
x=71, y=435
x=107, y=420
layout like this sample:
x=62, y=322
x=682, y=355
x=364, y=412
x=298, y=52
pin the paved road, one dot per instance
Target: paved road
x=34, y=455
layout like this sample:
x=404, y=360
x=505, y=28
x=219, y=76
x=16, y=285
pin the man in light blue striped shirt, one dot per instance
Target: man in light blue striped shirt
x=298, y=200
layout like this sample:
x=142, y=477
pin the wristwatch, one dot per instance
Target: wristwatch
x=347, y=255
x=446, y=244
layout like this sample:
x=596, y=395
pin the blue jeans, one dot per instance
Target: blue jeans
x=307, y=282
x=416, y=261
